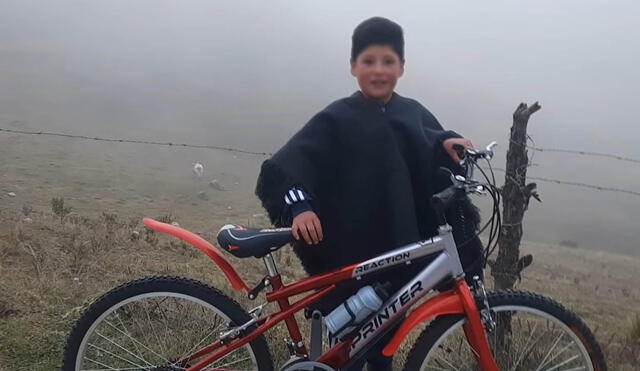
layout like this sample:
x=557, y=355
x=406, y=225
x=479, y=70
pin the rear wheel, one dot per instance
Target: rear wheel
x=532, y=333
x=152, y=323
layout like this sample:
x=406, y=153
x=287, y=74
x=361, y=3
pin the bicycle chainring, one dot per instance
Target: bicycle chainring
x=306, y=366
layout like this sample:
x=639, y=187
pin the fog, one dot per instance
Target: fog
x=249, y=74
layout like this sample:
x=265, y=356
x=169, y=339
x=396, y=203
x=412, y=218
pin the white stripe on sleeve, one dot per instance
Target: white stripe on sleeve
x=293, y=196
x=301, y=195
x=287, y=200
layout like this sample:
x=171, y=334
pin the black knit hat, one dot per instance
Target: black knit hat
x=377, y=31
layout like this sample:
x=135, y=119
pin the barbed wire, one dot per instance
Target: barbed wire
x=237, y=150
x=170, y=144
x=577, y=184
x=230, y=149
x=585, y=153
x=579, y=152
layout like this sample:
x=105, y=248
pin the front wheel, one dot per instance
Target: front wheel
x=531, y=333
x=153, y=323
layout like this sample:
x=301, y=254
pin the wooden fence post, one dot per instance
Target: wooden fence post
x=516, y=194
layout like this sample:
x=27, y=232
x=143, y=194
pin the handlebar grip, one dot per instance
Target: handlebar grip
x=442, y=200
x=460, y=150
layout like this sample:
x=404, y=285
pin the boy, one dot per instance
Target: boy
x=356, y=180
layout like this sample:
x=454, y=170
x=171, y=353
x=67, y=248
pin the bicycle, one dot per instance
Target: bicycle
x=173, y=323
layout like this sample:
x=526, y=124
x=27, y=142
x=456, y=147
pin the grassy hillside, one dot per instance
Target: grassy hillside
x=52, y=266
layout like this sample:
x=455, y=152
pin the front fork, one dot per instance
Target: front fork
x=474, y=329
x=486, y=313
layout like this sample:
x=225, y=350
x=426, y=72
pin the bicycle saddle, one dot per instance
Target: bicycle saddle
x=244, y=242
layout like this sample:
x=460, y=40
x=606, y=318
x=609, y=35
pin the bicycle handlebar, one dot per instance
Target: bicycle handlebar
x=461, y=185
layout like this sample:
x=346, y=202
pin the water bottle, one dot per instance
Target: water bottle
x=353, y=311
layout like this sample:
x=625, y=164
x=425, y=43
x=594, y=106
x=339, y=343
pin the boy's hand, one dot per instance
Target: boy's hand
x=451, y=142
x=308, y=226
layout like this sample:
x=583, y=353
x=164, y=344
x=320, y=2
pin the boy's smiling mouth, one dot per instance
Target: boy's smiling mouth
x=379, y=83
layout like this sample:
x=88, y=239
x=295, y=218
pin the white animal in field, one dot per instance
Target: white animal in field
x=198, y=169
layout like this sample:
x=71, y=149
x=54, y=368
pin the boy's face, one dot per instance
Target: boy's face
x=377, y=69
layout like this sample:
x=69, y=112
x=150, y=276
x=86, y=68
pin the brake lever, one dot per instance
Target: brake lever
x=477, y=189
x=487, y=153
x=491, y=145
x=457, y=180
x=489, y=150
x=460, y=181
x=447, y=172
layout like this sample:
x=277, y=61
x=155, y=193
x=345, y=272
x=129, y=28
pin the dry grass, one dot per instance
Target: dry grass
x=631, y=346
x=51, y=270
x=597, y=286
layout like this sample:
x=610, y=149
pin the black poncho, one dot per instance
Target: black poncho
x=371, y=170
